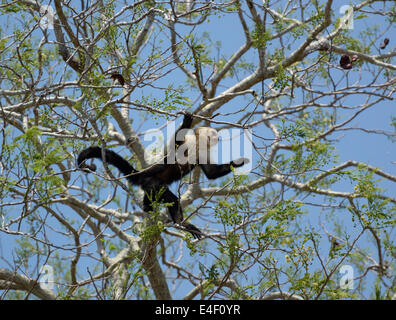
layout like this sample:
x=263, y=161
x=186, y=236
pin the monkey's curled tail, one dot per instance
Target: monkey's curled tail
x=135, y=178
x=111, y=157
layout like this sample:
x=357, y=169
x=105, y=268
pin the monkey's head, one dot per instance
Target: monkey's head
x=197, y=144
x=202, y=137
x=206, y=136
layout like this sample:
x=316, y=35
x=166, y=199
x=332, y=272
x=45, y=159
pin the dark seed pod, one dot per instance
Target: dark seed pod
x=345, y=62
x=115, y=76
x=384, y=44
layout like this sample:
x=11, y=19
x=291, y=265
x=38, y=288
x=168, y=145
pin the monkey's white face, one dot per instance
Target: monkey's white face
x=196, y=146
x=207, y=136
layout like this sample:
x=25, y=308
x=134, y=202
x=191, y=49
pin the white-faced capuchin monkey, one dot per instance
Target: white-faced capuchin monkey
x=155, y=180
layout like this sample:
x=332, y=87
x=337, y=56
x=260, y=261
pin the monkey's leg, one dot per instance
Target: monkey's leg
x=176, y=213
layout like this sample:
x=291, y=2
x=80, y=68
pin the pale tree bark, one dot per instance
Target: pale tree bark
x=15, y=281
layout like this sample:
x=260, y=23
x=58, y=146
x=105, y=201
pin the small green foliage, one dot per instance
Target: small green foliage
x=228, y=212
x=153, y=225
x=314, y=154
x=211, y=273
x=11, y=8
x=285, y=211
x=372, y=210
x=281, y=79
x=260, y=36
x=173, y=100
x=291, y=132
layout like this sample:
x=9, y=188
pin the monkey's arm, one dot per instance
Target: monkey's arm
x=214, y=171
x=187, y=121
x=182, y=130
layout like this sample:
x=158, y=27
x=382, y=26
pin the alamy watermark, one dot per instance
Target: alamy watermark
x=347, y=18
x=346, y=280
x=47, y=19
x=46, y=278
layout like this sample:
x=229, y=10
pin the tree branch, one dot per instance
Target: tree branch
x=21, y=282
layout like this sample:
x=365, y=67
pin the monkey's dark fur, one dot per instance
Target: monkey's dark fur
x=155, y=180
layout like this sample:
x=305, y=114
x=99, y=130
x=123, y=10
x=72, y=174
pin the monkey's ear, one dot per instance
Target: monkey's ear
x=384, y=43
x=345, y=62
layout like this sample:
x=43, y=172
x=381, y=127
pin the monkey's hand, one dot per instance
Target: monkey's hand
x=88, y=167
x=240, y=162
